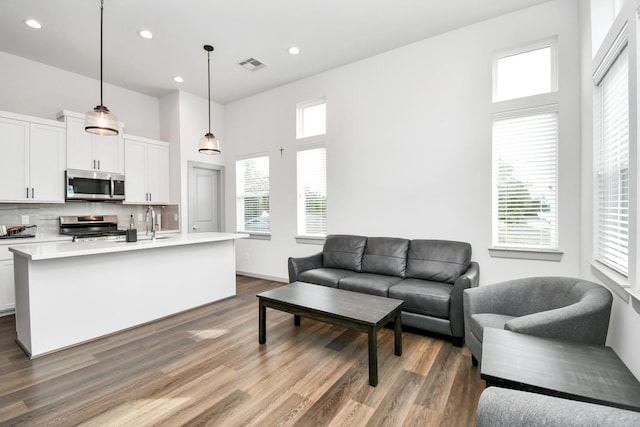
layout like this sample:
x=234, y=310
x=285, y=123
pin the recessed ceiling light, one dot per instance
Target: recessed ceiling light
x=145, y=34
x=178, y=79
x=33, y=23
x=294, y=50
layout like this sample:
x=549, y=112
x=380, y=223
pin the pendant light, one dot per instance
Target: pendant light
x=100, y=120
x=209, y=144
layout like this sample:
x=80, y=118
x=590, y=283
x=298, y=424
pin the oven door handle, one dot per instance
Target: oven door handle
x=112, y=186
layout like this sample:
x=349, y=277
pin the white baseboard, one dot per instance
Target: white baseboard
x=263, y=276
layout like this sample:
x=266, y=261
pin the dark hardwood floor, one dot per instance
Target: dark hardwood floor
x=205, y=367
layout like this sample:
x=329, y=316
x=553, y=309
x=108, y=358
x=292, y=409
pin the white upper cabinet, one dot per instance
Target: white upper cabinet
x=87, y=151
x=146, y=171
x=34, y=153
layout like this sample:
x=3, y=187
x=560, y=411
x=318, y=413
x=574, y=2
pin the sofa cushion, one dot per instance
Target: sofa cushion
x=343, y=252
x=479, y=321
x=423, y=297
x=368, y=283
x=324, y=276
x=385, y=255
x=438, y=260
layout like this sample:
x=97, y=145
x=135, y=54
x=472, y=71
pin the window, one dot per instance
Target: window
x=525, y=153
x=525, y=72
x=252, y=195
x=525, y=188
x=312, y=118
x=312, y=192
x=611, y=164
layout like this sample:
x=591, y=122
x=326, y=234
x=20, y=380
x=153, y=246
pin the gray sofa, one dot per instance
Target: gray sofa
x=428, y=275
x=553, y=307
x=504, y=407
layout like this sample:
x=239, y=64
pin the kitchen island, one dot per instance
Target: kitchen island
x=68, y=293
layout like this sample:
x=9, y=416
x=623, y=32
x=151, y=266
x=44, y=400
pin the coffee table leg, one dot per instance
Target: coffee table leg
x=373, y=357
x=397, y=326
x=296, y=320
x=262, y=319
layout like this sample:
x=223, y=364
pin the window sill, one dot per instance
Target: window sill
x=310, y=240
x=257, y=236
x=531, y=254
x=616, y=282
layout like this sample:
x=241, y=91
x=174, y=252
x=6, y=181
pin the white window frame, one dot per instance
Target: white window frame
x=551, y=43
x=300, y=107
x=302, y=235
x=553, y=243
x=621, y=33
x=516, y=106
x=240, y=209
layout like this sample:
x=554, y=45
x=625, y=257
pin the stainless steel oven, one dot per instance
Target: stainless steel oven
x=96, y=186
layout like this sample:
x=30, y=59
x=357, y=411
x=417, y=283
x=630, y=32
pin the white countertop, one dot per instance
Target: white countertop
x=40, y=238
x=67, y=249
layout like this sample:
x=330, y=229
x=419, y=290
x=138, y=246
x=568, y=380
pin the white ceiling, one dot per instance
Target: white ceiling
x=330, y=33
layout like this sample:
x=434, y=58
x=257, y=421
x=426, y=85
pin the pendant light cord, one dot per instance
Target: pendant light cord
x=209, y=85
x=101, y=13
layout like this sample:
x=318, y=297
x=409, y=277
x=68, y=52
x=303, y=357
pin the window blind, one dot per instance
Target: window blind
x=252, y=194
x=611, y=160
x=312, y=192
x=525, y=179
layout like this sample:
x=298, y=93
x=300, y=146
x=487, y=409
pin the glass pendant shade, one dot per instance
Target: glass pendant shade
x=101, y=122
x=209, y=144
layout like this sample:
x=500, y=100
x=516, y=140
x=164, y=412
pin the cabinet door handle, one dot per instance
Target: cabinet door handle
x=149, y=196
x=195, y=227
x=94, y=164
x=98, y=164
x=27, y=192
x=33, y=194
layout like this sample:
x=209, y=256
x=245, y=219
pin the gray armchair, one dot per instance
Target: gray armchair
x=553, y=307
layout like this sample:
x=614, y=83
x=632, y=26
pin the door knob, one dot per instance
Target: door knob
x=195, y=227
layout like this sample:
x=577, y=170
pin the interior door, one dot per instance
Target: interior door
x=205, y=207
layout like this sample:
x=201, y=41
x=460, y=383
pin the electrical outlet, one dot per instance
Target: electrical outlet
x=175, y=217
x=25, y=219
x=246, y=256
x=140, y=217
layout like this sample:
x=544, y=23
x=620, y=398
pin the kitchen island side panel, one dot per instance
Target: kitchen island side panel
x=77, y=299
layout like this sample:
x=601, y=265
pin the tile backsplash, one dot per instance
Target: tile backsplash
x=46, y=216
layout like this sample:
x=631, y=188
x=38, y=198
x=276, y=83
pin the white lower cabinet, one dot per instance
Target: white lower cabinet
x=146, y=171
x=7, y=291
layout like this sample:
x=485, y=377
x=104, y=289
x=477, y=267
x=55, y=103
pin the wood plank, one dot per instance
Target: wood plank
x=205, y=366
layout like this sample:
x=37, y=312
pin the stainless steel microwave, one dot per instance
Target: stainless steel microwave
x=96, y=186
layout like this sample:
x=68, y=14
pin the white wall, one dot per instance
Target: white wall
x=194, y=124
x=170, y=132
x=409, y=144
x=625, y=315
x=31, y=88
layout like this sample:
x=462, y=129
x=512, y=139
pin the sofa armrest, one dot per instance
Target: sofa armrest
x=469, y=279
x=582, y=322
x=299, y=265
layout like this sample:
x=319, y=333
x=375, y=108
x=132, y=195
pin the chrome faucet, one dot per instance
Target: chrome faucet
x=153, y=222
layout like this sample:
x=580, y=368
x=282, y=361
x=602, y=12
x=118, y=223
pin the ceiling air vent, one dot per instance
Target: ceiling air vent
x=251, y=64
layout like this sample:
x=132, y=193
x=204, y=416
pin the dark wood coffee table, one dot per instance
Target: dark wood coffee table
x=563, y=369
x=354, y=310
